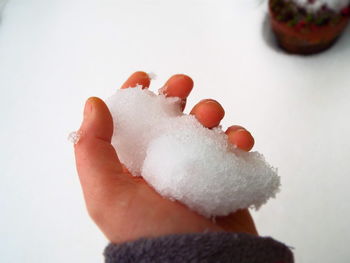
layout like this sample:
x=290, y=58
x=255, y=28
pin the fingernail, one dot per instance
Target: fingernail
x=241, y=130
x=205, y=101
x=177, y=86
x=87, y=108
x=210, y=101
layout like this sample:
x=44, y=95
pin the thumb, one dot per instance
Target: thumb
x=99, y=169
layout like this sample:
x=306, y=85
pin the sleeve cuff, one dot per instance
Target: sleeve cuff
x=201, y=247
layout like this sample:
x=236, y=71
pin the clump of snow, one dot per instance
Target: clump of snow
x=315, y=5
x=74, y=137
x=185, y=161
x=152, y=75
x=138, y=116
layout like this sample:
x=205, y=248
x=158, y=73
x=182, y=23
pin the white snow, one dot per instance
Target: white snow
x=152, y=75
x=183, y=160
x=74, y=137
x=313, y=6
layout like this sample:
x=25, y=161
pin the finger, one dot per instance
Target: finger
x=240, y=221
x=137, y=78
x=178, y=86
x=240, y=137
x=208, y=112
x=99, y=169
x=234, y=128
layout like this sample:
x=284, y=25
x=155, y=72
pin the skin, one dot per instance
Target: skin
x=240, y=137
x=124, y=207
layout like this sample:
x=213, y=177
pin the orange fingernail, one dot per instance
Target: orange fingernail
x=88, y=108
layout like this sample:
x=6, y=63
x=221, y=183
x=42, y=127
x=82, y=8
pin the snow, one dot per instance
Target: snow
x=183, y=160
x=74, y=137
x=315, y=5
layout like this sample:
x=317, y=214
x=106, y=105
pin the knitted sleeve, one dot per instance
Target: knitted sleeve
x=201, y=247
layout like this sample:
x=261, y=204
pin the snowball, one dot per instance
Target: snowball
x=184, y=161
x=313, y=6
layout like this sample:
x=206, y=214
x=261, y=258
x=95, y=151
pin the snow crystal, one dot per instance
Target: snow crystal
x=185, y=161
x=152, y=75
x=313, y=6
x=74, y=137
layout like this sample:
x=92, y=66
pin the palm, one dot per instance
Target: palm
x=126, y=207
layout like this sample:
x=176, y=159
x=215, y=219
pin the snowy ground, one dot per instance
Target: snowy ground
x=54, y=54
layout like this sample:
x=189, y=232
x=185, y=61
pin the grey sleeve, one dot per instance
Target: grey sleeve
x=201, y=247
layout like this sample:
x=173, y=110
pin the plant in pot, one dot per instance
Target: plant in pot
x=308, y=26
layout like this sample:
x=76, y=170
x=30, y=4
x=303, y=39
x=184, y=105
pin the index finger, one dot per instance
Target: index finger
x=138, y=78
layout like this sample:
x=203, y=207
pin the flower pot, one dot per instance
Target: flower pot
x=306, y=38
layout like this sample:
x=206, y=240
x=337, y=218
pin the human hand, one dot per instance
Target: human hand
x=125, y=207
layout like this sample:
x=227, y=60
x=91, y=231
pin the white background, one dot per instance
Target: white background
x=55, y=54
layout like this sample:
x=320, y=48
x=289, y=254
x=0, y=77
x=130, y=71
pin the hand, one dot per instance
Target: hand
x=125, y=207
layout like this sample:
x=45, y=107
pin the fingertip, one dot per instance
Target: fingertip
x=179, y=85
x=88, y=106
x=95, y=103
x=137, y=78
x=240, y=137
x=208, y=112
x=97, y=121
x=234, y=128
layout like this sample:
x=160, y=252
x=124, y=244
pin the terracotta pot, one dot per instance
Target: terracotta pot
x=306, y=39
